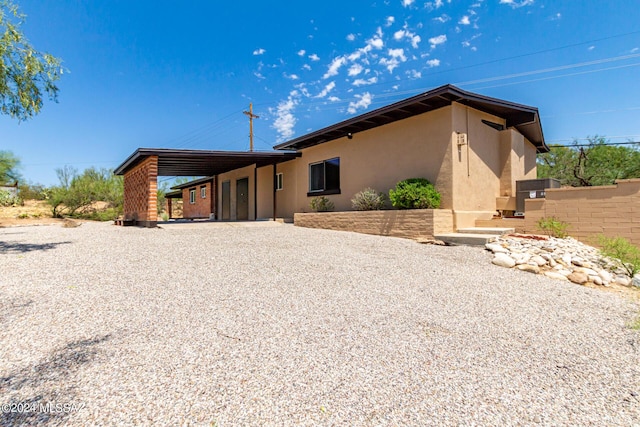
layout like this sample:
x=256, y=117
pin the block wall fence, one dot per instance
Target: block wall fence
x=612, y=210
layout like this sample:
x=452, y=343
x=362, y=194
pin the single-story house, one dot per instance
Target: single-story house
x=473, y=148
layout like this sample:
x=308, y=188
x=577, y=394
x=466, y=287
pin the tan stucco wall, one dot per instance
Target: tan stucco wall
x=286, y=198
x=488, y=166
x=246, y=172
x=416, y=147
x=411, y=224
x=265, y=192
x=612, y=210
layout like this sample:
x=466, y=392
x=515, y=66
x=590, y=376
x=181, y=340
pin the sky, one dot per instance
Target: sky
x=167, y=74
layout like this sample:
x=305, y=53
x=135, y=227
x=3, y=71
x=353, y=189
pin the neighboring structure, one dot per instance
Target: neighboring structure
x=473, y=148
x=10, y=188
x=198, y=198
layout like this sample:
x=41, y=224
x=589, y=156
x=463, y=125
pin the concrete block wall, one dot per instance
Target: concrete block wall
x=612, y=210
x=141, y=193
x=411, y=224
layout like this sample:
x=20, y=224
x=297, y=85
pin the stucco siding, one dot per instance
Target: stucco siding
x=265, y=192
x=233, y=176
x=419, y=146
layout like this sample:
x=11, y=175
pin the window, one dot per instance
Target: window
x=192, y=196
x=324, y=177
x=203, y=191
x=279, y=181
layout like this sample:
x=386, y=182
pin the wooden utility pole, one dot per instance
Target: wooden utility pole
x=251, y=117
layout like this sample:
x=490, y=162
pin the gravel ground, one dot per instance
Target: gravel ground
x=268, y=324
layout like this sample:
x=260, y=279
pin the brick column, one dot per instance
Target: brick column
x=141, y=193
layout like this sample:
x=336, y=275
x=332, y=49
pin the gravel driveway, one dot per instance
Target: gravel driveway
x=269, y=324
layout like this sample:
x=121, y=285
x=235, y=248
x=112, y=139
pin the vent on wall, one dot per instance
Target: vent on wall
x=496, y=126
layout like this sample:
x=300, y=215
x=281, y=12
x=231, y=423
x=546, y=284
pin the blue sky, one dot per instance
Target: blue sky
x=179, y=74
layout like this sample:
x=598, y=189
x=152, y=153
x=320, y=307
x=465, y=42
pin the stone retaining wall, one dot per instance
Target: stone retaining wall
x=411, y=224
x=612, y=210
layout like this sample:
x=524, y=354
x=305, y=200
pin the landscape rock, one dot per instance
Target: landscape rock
x=561, y=259
x=503, y=260
x=578, y=277
x=529, y=268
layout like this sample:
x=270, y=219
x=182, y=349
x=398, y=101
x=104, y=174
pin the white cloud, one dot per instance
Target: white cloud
x=328, y=88
x=355, y=69
x=556, y=17
x=390, y=20
x=407, y=3
x=464, y=20
x=363, y=102
x=290, y=76
x=414, y=74
x=333, y=99
x=398, y=35
x=314, y=57
x=379, y=31
x=355, y=55
x=374, y=43
x=435, y=41
x=334, y=67
x=591, y=47
x=285, y=120
x=259, y=51
x=415, y=40
x=363, y=82
x=390, y=63
x=307, y=67
x=516, y=4
x=301, y=52
x=397, y=53
x=634, y=50
x=434, y=4
x=433, y=63
x=442, y=18
x=351, y=37
x=259, y=75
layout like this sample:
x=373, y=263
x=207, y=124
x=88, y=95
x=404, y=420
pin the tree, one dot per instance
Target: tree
x=77, y=193
x=9, y=165
x=599, y=163
x=25, y=73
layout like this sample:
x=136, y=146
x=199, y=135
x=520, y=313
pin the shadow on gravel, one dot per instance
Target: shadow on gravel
x=49, y=385
x=16, y=248
x=13, y=307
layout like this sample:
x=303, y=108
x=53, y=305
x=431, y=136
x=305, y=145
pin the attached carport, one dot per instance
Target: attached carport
x=142, y=169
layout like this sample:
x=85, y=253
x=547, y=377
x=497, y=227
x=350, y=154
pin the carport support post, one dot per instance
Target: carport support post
x=275, y=180
x=141, y=193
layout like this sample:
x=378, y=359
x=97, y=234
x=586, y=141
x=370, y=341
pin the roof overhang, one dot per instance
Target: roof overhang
x=524, y=118
x=203, y=162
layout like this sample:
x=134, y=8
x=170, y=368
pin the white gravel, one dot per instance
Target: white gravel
x=216, y=324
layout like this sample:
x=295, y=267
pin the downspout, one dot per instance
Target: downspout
x=468, y=141
x=255, y=193
x=275, y=176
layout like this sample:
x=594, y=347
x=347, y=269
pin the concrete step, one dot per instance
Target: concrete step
x=468, y=239
x=498, y=231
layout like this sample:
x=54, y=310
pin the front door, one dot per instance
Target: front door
x=226, y=200
x=242, y=199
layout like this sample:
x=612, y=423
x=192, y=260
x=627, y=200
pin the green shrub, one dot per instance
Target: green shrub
x=368, y=200
x=553, y=227
x=9, y=199
x=622, y=252
x=415, y=193
x=321, y=204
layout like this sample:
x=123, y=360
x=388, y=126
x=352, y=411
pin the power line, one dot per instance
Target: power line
x=590, y=145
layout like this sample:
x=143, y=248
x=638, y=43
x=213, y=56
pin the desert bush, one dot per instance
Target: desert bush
x=9, y=199
x=321, y=204
x=28, y=191
x=368, y=200
x=415, y=193
x=77, y=193
x=553, y=227
x=621, y=251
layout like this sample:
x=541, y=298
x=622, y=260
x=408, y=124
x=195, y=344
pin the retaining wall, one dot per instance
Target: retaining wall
x=411, y=224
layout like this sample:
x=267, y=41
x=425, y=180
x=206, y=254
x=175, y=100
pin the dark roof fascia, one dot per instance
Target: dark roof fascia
x=193, y=183
x=447, y=94
x=142, y=153
x=174, y=194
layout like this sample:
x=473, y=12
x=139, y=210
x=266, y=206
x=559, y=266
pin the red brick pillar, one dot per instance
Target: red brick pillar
x=141, y=193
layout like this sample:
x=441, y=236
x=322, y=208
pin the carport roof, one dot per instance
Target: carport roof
x=203, y=162
x=524, y=118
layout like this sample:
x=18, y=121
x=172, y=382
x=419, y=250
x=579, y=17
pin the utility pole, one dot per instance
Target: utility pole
x=251, y=117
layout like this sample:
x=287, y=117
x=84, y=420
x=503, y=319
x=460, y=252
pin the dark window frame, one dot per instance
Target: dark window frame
x=334, y=188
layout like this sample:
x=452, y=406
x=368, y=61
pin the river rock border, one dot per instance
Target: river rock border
x=563, y=259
